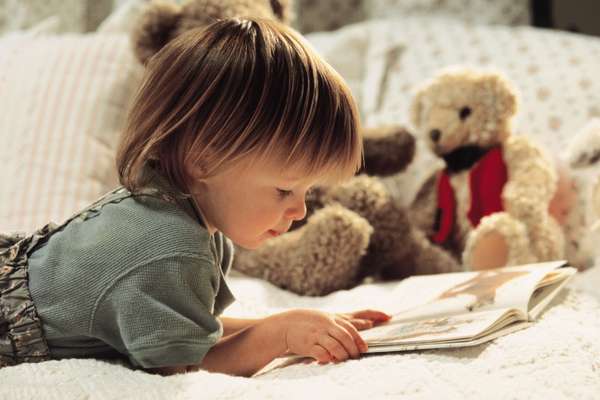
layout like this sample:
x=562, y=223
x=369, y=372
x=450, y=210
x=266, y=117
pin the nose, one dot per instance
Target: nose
x=435, y=135
x=297, y=212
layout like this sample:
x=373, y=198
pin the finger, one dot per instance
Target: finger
x=342, y=335
x=358, y=340
x=361, y=324
x=320, y=354
x=373, y=315
x=335, y=348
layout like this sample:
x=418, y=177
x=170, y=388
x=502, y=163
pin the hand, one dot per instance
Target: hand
x=365, y=319
x=322, y=336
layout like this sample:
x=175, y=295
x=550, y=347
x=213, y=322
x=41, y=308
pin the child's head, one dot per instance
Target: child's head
x=223, y=105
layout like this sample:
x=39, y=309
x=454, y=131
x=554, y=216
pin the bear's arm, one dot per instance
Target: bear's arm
x=531, y=179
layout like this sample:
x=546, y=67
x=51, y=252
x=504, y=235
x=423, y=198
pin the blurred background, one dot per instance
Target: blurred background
x=325, y=15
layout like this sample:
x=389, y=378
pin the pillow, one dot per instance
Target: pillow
x=327, y=15
x=501, y=12
x=72, y=15
x=123, y=19
x=64, y=100
x=344, y=50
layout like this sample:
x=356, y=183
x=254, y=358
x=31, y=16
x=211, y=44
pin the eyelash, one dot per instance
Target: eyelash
x=284, y=193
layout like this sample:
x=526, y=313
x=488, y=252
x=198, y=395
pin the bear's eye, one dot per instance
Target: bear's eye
x=464, y=113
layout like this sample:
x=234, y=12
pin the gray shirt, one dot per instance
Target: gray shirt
x=138, y=276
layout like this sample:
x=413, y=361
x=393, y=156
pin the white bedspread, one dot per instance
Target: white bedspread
x=559, y=357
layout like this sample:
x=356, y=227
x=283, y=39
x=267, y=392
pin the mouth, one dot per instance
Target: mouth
x=274, y=233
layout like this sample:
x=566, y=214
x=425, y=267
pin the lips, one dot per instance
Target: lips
x=275, y=233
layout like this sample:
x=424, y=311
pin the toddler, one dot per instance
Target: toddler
x=231, y=127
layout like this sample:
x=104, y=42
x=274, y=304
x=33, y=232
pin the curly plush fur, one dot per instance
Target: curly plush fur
x=164, y=20
x=465, y=108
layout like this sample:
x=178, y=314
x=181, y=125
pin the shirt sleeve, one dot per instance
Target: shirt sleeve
x=161, y=313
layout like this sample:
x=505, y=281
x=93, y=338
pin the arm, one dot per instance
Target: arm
x=233, y=325
x=247, y=346
x=324, y=337
x=248, y=349
x=531, y=180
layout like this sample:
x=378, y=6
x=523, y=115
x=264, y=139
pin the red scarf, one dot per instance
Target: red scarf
x=486, y=182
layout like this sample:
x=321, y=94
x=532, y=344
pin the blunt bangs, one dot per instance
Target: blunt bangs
x=236, y=89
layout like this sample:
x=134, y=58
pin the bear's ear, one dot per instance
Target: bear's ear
x=416, y=108
x=505, y=98
x=282, y=10
x=154, y=28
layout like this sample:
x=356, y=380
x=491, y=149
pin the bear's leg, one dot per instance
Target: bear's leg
x=547, y=239
x=414, y=254
x=397, y=249
x=320, y=257
x=499, y=240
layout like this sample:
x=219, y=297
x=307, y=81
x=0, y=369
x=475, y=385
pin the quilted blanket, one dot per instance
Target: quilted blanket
x=556, y=358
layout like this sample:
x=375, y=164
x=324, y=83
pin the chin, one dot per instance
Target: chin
x=250, y=245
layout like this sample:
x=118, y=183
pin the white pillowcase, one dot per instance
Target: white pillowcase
x=64, y=101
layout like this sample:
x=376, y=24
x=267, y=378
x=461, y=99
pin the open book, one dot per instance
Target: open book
x=468, y=308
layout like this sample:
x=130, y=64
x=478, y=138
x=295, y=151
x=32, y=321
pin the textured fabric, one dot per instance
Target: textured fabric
x=133, y=275
x=445, y=209
x=21, y=335
x=486, y=182
x=63, y=106
x=556, y=358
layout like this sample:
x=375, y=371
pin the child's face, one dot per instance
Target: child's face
x=253, y=202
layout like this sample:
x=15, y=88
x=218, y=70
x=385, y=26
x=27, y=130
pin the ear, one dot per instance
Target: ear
x=282, y=10
x=505, y=96
x=416, y=109
x=154, y=28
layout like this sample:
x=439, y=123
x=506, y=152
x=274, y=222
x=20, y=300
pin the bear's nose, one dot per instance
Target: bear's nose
x=435, y=134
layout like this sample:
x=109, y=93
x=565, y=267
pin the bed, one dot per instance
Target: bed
x=52, y=101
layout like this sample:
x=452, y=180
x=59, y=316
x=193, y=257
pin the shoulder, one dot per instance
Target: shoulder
x=519, y=147
x=156, y=226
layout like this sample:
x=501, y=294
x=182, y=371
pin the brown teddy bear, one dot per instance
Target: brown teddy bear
x=164, y=20
x=490, y=205
x=353, y=230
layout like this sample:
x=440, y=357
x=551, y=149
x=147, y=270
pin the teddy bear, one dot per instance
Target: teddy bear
x=582, y=172
x=353, y=231
x=163, y=20
x=490, y=205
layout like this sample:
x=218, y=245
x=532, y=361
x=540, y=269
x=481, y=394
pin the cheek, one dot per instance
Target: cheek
x=261, y=215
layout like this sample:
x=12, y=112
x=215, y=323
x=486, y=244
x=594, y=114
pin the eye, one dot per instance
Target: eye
x=284, y=193
x=464, y=113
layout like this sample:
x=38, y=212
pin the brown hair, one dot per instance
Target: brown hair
x=239, y=88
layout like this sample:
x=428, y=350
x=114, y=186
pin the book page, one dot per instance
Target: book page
x=550, y=287
x=468, y=292
x=437, y=330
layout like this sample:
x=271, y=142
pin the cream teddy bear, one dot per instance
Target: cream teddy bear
x=490, y=205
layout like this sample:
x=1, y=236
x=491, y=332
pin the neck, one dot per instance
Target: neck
x=209, y=227
x=463, y=158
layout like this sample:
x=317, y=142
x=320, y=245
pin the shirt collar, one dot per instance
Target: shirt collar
x=154, y=180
